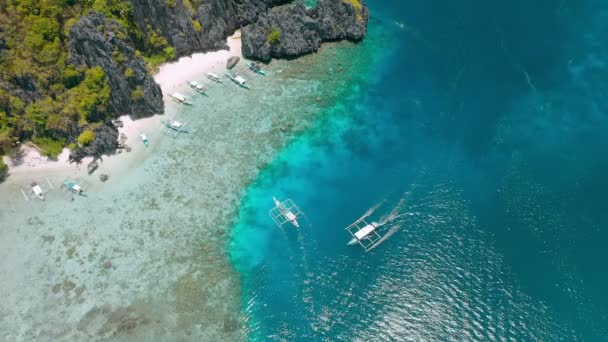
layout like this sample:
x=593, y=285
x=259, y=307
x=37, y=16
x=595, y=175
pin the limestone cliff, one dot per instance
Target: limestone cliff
x=292, y=31
x=95, y=41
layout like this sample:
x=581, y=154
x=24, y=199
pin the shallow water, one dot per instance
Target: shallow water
x=143, y=256
x=479, y=129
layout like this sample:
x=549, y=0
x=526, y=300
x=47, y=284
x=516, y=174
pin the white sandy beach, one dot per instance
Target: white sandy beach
x=171, y=77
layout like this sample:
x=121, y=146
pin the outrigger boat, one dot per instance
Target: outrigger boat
x=37, y=190
x=72, y=186
x=237, y=79
x=180, y=98
x=144, y=138
x=174, y=126
x=284, y=212
x=364, y=234
x=198, y=87
x=255, y=67
x=214, y=77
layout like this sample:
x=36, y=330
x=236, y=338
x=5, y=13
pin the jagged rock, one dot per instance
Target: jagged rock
x=303, y=30
x=106, y=142
x=218, y=19
x=96, y=41
x=103, y=177
x=232, y=62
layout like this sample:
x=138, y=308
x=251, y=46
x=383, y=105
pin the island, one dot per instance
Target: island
x=68, y=68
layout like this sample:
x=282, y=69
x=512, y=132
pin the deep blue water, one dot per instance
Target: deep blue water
x=482, y=127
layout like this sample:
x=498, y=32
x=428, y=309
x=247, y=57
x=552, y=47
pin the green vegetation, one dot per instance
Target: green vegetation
x=129, y=72
x=45, y=99
x=3, y=170
x=50, y=148
x=86, y=137
x=137, y=94
x=274, y=36
x=197, y=25
x=357, y=6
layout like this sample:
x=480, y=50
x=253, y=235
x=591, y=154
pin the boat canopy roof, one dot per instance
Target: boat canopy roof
x=363, y=232
x=176, y=124
x=240, y=79
x=179, y=96
x=213, y=74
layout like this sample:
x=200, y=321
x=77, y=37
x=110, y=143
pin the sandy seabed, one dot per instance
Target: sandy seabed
x=143, y=256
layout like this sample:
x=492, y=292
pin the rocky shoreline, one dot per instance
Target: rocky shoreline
x=293, y=31
x=270, y=29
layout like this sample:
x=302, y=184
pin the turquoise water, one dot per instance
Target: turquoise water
x=477, y=129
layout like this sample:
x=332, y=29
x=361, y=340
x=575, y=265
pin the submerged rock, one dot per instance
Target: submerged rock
x=94, y=165
x=293, y=31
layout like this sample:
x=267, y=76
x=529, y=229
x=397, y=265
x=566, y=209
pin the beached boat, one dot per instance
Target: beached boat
x=256, y=67
x=180, y=98
x=237, y=79
x=144, y=138
x=198, y=87
x=214, y=77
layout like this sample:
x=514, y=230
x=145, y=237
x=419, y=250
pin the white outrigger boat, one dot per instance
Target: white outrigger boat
x=37, y=191
x=214, y=77
x=284, y=212
x=73, y=187
x=237, y=79
x=364, y=234
x=198, y=87
x=144, y=138
x=180, y=98
x=257, y=68
x=174, y=127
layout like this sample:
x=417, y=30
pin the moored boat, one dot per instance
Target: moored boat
x=256, y=67
x=237, y=79
x=198, y=87
x=175, y=125
x=144, y=138
x=180, y=98
x=214, y=77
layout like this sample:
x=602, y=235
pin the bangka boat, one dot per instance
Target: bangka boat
x=174, y=126
x=72, y=186
x=238, y=79
x=144, y=138
x=198, y=87
x=364, y=234
x=180, y=98
x=284, y=212
x=214, y=77
x=256, y=67
x=37, y=191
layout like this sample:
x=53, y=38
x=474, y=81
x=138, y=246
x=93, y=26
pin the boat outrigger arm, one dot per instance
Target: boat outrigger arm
x=284, y=212
x=37, y=190
x=364, y=234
